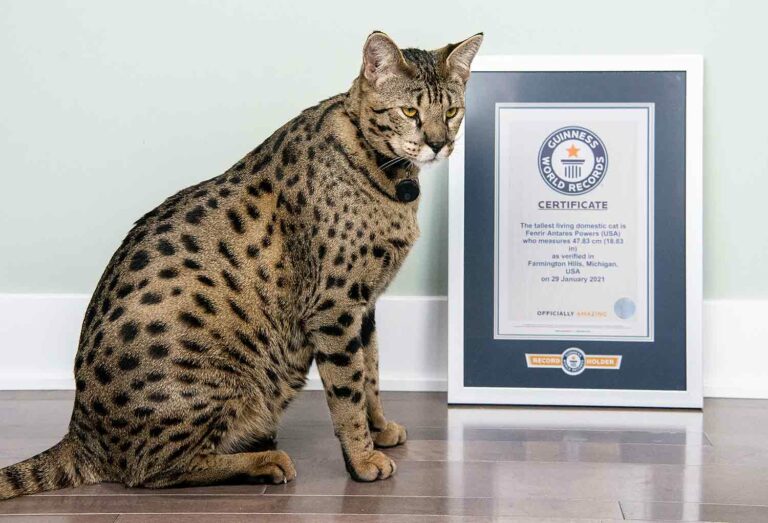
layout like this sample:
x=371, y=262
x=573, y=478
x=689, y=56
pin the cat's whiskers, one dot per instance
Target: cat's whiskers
x=390, y=162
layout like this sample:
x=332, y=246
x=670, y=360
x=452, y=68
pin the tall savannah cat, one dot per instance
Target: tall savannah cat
x=207, y=318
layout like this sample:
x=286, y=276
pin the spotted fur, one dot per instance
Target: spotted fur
x=205, y=322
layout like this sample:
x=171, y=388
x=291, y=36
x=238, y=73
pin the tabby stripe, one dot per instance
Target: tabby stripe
x=230, y=280
x=340, y=149
x=238, y=311
x=325, y=113
x=14, y=477
x=225, y=251
x=279, y=141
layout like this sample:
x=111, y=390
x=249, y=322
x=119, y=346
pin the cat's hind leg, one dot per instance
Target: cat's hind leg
x=272, y=466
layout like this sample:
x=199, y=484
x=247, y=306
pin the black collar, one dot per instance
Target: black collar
x=406, y=190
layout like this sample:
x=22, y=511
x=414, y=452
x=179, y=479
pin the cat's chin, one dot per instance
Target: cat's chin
x=425, y=163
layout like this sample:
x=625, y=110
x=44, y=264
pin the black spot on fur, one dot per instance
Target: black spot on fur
x=128, y=362
x=339, y=359
x=205, y=280
x=245, y=340
x=163, y=228
x=353, y=346
x=99, y=408
x=193, y=346
x=158, y=351
x=327, y=304
x=155, y=376
x=238, y=311
x=230, y=280
x=165, y=247
x=332, y=330
x=272, y=376
x=116, y=313
x=367, y=328
x=102, y=374
x=190, y=320
x=121, y=399
x=158, y=397
x=192, y=264
x=139, y=260
x=252, y=211
x=124, y=290
x=186, y=363
x=341, y=392
x=262, y=337
x=205, y=303
x=143, y=412
x=129, y=331
x=196, y=215
x=235, y=221
x=202, y=419
x=151, y=298
x=171, y=421
x=119, y=423
x=156, y=327
x=190, y=243
x=226, y=251
x=168, y=273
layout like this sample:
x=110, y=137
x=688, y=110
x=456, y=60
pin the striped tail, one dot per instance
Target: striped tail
x=50, y=470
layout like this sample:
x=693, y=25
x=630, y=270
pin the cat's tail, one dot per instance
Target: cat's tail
x=50, y=470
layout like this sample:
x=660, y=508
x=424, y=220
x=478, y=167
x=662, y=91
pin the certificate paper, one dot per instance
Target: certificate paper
x=574, y=221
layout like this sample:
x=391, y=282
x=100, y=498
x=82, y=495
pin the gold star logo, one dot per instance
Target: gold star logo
x=573, y=151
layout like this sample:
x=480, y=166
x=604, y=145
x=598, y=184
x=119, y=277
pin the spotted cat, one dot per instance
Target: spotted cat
x=207, y=318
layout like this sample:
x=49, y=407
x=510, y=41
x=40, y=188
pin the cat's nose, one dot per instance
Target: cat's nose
x=436, y=146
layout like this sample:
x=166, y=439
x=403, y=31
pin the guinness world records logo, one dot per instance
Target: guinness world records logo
x=574, y=361
x=573, y=160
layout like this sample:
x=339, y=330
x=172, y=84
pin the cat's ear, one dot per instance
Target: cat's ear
x=460, y=56
x=382, y=58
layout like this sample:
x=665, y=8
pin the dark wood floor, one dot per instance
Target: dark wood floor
x=459, y=465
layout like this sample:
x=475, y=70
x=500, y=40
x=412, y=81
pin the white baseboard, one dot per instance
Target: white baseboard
x=39, y=333
x=735, y=334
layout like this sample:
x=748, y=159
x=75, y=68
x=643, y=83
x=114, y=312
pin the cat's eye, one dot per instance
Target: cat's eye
x=410, y=112
x=450, y=113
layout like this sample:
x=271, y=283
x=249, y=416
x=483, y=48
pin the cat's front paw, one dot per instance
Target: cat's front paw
x=370, y=466
x=390, y=436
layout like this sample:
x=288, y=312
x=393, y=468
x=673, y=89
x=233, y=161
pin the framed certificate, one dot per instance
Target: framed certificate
x=575, y=274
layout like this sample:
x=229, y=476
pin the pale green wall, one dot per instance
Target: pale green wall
x=107, y=107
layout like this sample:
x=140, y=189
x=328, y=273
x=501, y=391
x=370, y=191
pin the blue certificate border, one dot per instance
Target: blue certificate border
x=649, y=222
x=656, y=365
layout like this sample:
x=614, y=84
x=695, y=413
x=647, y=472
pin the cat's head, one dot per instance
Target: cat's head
x=412, y=101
